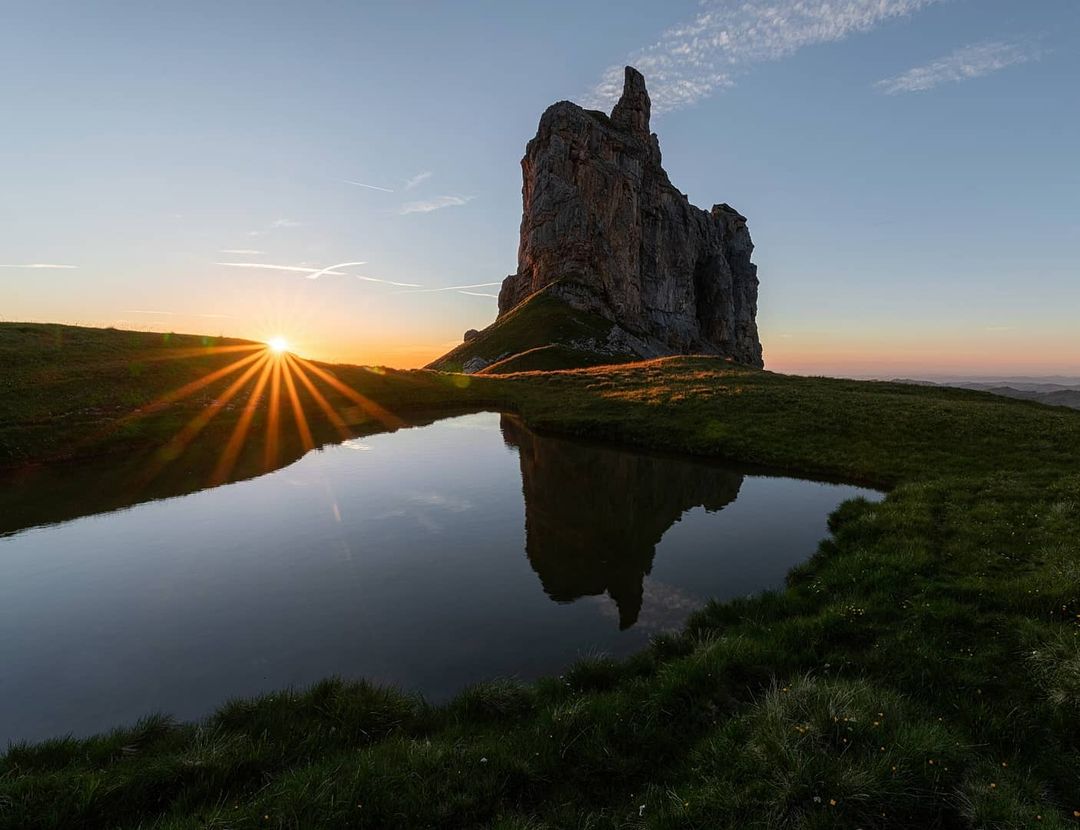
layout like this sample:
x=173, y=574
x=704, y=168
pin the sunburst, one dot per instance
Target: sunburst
x=278, y=345
x=272, y=376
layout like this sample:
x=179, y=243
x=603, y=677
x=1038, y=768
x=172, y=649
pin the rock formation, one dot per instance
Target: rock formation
x=604, y=230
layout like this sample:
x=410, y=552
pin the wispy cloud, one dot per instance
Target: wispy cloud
x=963, y=64
x=368, y=186
x=310, y=273
x=438, y=203
x=332, y=269
x=157, y=313
x=241, y=251
x=479, y=294
x=40, y=265
x=390, y=282
x=275, y=225
x=690, y=62
x=315, y=273
x=266, y=266
x=417, y=179
x=452, y=288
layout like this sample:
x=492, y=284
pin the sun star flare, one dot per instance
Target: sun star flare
x=278, y=344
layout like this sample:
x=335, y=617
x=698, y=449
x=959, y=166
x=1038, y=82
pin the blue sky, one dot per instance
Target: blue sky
x=909, y=167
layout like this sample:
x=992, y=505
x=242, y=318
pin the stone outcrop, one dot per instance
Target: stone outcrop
x=604, y=229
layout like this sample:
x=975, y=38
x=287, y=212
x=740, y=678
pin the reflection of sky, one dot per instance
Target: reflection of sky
x=664, y=607
x=404, y=564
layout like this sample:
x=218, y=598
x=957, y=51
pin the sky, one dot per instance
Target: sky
x=909, y=167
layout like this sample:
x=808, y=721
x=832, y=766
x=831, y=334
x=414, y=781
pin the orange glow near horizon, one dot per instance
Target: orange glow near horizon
x=924, y=354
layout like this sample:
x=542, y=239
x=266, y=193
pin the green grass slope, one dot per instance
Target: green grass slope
x=540, y=333
x=921, y=670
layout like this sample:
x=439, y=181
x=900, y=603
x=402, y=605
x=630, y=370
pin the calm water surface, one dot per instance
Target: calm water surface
x=429, y=559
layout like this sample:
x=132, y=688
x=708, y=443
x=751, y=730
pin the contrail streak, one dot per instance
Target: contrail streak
x=333, y=269
x=451, y=288
x=368, y=186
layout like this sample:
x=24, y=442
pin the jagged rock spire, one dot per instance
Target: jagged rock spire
x=632, y=111
x=605, y=231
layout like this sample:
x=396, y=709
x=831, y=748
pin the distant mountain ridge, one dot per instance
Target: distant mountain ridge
x=1041, y=390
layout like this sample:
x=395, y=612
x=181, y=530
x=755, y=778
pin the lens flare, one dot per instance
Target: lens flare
x=278, y=345
x=261, y=388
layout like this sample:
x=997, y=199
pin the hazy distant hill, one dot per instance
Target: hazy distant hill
x=1057, y=397
x=1050, y=391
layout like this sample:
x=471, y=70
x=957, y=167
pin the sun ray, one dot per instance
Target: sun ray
x=273, y=417
x=199, y=351
x=298, y=410
x=190, y=388
x=319, y=398
x=165, y=400
x=236, y=441
x=383, y=416
x=184, y=437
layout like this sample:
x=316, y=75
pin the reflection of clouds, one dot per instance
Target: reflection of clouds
x=480, y=421
x=355, y=444
x=664, y=607
x=446, y=502
x=430, y=525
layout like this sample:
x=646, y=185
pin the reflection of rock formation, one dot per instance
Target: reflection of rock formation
x=594, y=514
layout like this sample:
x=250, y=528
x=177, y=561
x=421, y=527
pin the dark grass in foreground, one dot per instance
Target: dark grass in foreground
x=921, y=670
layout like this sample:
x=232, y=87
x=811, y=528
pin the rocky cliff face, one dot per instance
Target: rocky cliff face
x=604, y=229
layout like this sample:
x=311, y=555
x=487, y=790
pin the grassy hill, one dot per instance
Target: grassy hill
x=921, y=670
x=541, y=333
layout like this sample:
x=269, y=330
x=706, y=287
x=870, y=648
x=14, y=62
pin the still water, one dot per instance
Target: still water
x=428, y=559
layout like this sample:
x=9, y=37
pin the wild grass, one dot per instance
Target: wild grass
x=538, y=334
x=921, y=670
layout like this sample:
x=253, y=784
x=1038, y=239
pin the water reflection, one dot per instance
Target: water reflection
x=594, y=514
x=410, y=559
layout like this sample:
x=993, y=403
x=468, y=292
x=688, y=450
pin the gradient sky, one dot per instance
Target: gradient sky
x=909, y=167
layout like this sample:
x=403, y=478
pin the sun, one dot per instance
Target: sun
x=278, y=345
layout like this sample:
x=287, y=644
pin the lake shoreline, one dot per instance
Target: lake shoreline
x=922, y=665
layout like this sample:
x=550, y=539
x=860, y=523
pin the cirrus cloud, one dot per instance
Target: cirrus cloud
x=962, y=64
x=315, y=273
x=690, y=62
x=41, y=265
x=429, y=205
x=417, y=179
